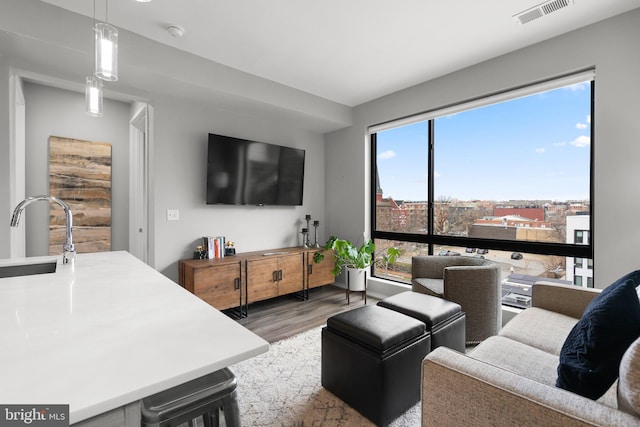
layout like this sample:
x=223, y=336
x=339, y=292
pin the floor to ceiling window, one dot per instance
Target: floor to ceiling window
x=505, y=177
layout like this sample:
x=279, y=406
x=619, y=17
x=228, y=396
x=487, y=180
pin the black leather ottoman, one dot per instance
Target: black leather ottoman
x=444, y=319
x=371, y=359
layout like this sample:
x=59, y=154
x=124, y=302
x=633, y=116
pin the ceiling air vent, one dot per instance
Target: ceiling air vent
x=541, y=10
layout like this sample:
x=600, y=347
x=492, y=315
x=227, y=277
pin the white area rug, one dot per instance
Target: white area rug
x=282, y=388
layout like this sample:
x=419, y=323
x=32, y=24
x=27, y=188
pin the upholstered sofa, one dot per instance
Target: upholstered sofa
x=472, y=282
x=510, y=379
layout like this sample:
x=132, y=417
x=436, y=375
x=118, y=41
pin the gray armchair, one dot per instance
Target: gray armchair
x=474, y=283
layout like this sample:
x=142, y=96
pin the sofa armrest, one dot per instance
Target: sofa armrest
x=564, y=299
x=459, y=390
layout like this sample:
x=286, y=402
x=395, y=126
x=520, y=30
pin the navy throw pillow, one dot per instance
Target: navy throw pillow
x=590, y=357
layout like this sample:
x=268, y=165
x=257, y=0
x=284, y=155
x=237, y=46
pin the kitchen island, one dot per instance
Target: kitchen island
x=105, y=332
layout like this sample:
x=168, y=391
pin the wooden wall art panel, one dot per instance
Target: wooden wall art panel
x=80, y=175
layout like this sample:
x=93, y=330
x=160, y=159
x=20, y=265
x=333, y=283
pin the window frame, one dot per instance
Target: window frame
x=542, y=248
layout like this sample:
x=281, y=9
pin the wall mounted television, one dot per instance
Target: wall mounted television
x=243, y=172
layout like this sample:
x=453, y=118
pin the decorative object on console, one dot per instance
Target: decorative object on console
x=305, y=232
x=316, y=224
x=305, y=237
x=230, y=249
x=215, y=246
x=306, y=242
x=199, y=253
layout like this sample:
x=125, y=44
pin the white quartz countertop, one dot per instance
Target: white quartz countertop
x=106, y=332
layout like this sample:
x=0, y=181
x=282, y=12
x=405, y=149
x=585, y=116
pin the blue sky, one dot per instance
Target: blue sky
x=536, y=147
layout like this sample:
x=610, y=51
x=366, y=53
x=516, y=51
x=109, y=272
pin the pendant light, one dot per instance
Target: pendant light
x=106, y=49
x=93, y=97
x=93, y=87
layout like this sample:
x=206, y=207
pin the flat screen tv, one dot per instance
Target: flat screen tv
x=243, y=172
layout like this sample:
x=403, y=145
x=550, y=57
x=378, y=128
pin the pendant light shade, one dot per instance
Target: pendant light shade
x=93, y=97
x=106, y=61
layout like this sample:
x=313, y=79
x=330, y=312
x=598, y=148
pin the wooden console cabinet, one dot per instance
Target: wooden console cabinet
x=218, y=282
x=237, y=281
x=274, y=275
x=319, y=274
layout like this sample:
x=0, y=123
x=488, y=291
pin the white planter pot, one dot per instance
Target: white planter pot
x=356, y=278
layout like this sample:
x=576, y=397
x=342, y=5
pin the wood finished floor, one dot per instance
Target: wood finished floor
x=286, y=316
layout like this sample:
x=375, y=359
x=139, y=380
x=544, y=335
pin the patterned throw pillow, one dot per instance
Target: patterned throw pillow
x=590, y=357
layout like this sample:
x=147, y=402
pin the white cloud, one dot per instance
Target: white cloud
x=559, y=144
x=540, y=150
x=436, y=174
x=578, y=86
x=389, y=154
x=581, y=141
x=584, y=125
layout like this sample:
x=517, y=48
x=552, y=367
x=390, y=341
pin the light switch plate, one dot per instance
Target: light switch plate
x=173, y=215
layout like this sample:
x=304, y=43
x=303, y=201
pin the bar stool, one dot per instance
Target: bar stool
x=203, y=398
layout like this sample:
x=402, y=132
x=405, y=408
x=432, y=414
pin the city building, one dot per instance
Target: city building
x=579, y=271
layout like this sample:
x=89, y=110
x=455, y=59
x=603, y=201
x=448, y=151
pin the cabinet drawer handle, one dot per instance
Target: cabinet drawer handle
x=275, y=275
x=309, y=268
x=236, y=281
x=279, y=274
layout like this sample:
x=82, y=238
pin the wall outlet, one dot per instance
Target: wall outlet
x=173, y=215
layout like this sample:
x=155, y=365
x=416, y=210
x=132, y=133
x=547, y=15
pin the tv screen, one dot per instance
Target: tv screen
x=243, y=172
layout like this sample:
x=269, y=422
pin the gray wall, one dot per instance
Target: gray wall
x=59, y=112
x=180, y=148
x=5, y=202
x=611, y=46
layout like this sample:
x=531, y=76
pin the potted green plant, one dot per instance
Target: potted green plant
x=354, y=259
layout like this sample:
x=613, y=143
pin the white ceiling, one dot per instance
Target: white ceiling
x=346, y=51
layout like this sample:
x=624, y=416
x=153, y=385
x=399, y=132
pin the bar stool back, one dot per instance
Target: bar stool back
x=203, y=398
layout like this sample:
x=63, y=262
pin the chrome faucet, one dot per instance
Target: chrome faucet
x=69, y=252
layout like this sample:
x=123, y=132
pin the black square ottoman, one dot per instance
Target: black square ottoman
x=371, y=359
x=444, y=319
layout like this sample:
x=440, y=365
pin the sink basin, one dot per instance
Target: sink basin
x=27, y=269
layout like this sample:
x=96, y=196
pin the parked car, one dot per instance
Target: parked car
x=448, y=253
x=470, y=250
x=516, y=255
x=483, y=251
